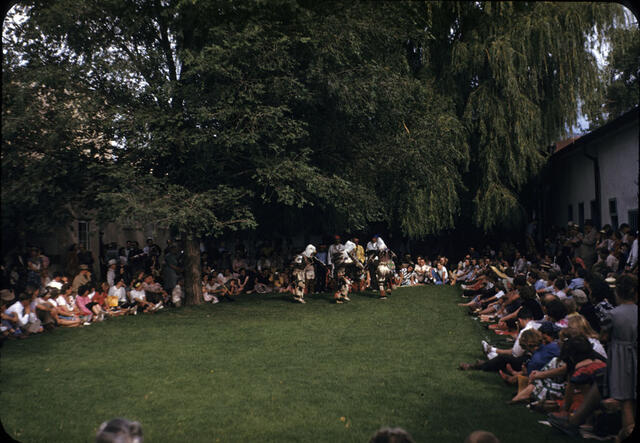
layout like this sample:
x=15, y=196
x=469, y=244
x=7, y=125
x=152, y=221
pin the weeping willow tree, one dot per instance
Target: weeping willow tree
x=424, y=116
x=517, y=72
x=623, y=70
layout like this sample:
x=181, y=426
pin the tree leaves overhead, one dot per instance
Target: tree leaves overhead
x=421, y=115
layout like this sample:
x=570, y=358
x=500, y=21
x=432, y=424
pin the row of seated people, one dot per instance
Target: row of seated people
x=567, y=343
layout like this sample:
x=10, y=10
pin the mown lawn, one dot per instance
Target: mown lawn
x=266, y=369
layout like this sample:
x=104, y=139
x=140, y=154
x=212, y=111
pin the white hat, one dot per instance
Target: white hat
x=309, y=251
x=113, y=261
x=611, y=281
x=54, y=284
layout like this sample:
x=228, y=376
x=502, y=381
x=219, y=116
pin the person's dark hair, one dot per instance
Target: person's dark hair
x=119, y=430
x=576, y=349
x=527, y=293
x=627, y=287
x=556, y=310
x=560, y=283
x=582, y=273
x=552, y=275
x=82, y=289
x=525, y=313
x=520, y=281
x=65, y=287
x=600, y=290
x=54, y=292
x=56, y=275
x=391, y=435
x=24, y=296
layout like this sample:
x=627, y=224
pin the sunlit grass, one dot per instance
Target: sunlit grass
x=266, y=369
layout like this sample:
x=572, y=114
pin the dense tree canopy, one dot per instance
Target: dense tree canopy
x=421, y=115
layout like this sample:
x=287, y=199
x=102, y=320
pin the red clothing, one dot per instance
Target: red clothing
x=100, y=298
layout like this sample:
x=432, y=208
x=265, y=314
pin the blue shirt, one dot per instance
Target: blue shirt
x=542, y=356
x=576, y=283
x=540, y=284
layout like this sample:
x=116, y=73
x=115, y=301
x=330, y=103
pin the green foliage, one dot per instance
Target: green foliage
x=421, y=115
x=517, y=71
x=623, y=70
x=53, y=148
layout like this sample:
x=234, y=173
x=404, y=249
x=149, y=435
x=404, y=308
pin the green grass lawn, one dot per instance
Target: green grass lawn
x=266, y=369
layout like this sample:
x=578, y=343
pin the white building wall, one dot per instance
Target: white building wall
x=572, y=177
x=573, y=183
x=618, y=156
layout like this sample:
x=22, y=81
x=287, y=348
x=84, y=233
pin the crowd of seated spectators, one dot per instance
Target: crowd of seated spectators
x=139, y=280
x=564, y=327
x=563, y=316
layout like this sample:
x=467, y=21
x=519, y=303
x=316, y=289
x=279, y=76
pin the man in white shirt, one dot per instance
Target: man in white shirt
x=23, y=314
x=139, y=298
x=376, y=244
x=499, y=358
x=118, y=290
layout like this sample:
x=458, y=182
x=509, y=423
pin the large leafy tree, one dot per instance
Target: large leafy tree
x=623, y=70
x=420, y=115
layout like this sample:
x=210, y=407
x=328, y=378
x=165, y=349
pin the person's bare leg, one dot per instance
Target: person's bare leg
x=628, y=419
x=591, y=402
x=69, y=323
x=523, y=395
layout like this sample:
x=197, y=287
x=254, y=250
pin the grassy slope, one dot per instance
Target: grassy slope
x=263, y=368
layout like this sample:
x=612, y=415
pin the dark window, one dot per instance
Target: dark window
x=570, y=212
x=633, y=219
x=613, y=207
x=613, y=212
x=595, y=214
x=581, y=214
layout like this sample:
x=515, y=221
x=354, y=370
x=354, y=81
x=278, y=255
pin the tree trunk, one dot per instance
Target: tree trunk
x=192, y=277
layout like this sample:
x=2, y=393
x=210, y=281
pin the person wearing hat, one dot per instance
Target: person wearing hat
x=111, y=272
x=7, y=295
x=83, y=277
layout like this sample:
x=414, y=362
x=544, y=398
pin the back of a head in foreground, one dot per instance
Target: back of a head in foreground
x=119, y=430
x=481, y=437
x=391, y=435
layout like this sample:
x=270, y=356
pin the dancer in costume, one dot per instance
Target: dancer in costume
x=380, y=265
x=385, y=271
x=346, y=266
x=304, y=272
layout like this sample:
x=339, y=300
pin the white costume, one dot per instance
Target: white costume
x=303, y=271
